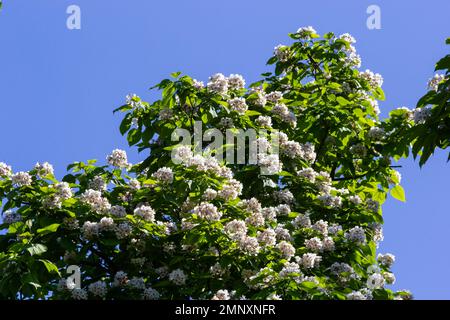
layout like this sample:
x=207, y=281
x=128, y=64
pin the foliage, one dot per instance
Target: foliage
x=199, y=228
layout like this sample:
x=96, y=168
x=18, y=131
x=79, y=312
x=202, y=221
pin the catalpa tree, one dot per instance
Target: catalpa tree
x=267, y=191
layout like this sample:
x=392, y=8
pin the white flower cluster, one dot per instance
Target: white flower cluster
x=118, y=158
x=230, y=190
x=134, y=101
x=178, y=277
x=151, y=294
x=43, y=169
x=5, y=170
x=97, y=183
x=21, y=179
x=98, y=289
x=238, y=105
x=264, y=121
x=220, y=84
x=10, y=217
x=306, y=32
x=164, y=175
x=420, y=115
x=236, y=82
x=356, y=234
x=309, y=260
x=207, y=211
x=375, y=80
x=236, y=229
x=376, y=133
x=274, y=96
x=433, y=83
x=386, y=259
x=282, y=52
x=145, y=212
x=221, y=295
x=282, y=111
x=95, y=200
x=165, y=114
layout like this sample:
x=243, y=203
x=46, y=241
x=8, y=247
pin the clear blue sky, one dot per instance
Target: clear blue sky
x=59, y=86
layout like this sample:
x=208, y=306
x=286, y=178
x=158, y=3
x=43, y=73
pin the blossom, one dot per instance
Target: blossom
x=90, y=229
x=218, y=83
x=207, y=211
x=10, y=217
x=347, y=37
x=249, y=245
x=21, y=179
x=63, y=190
x=43, y=169
x=375, y=80
x=274, y=96
x=145, y=212
x=420, y=115
x=375, y=281
x=164, y=175
x=376, y=133
x=314, y=244
x=118, y=158
x=79, y=294
x=310, y=260
x=165, y=114
x=236, y=229
x=238, y=105
x=287, y=250
x=356, y=234
x=178, y=277
x=306, y=32
x=387, y=259
x=198, y=84
x=5, y=170
x=264, y=121
x=221, y=295
x=236, y=82
x=98, y=289
x=150, y=294
x=281, y=52
x=433, y=83
x=308, y=173
x=97, y=183
x=267, y=237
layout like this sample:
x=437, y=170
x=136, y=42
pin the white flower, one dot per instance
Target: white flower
x=372, y=205
x=308, y=173
x=274, y=96
x=236, y=82
x=90, y=230
x=97, y=183
x=302, y=221
x=123, y=230
x=282, y=233
x=209, y=194
x=347, y=37
x=106, y=224
x=21, y=179
x=164, y=175
x=79, y=294
x=290, y=268
x=375, y=281
x=321, y=226
x=314, y=244
x=328, y=244
x=249, y=245
x=63, y=190
x=358, y=150
x=281, y=52
x=334, y=229
x=420, y=115
x=98, y=289
x=118, y=211
x=182, y=154
x=389, y=277
x=118, y=158
x=120, y=279
x=356, y=295
x=375, y=79
x=267, y=237
x=355, y=199
x=150, y=294
x=43, y=169
x=95, y=200
x=145, y=212
x=386, y=259
x=137, y=283
x=178, y=277
x=230, y=190
x=283, y=196
x=238, y=105
x=221, y=295
x=264, y=121
x=376, y=133
x=433, y=83
x=134, y=101
x=236, y=229
x=226, y=123
x=270, y=164
x=287, y=250
x=5, y=170
x=330, y=200
x=10, y=217
x=306, y=32
x=273, y=296
x=310, y=260
x=207, y=211
x=356, y=234
x=218, y=83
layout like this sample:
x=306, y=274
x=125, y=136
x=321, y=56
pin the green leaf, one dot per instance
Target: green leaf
x=342, y=101
x=36, y=249
x=398, y=193
x=50, y=266
x=48, y=229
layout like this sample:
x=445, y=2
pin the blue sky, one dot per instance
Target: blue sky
x=58, y=86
